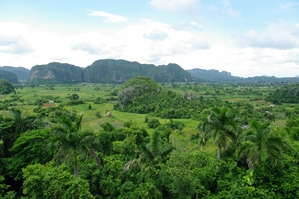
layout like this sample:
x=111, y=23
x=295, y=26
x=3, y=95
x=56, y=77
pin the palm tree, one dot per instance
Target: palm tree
x=222, y=126
x=70, y=141
x=260, y=144
x=150, y=155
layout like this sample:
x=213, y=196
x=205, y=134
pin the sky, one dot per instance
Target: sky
x=244, y=37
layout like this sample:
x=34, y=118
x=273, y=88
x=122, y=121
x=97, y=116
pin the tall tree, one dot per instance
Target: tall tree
x=71, y=141
x=222, y=125
x=150, y=155
x=260, y=144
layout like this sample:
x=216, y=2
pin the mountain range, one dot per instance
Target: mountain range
x=119, y=71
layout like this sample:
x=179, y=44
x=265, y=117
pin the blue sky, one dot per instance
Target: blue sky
x=244, y=37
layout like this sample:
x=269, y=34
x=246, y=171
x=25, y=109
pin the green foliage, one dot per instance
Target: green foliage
x=108, y=127
x=3, y=186
x=98, y=114
x=9, y=76
x=6, y=87
x=152, y=154
x=159, y=102
x=174, y=125
x=292, y=127
x=47, y=181
x=137, y=87
x=70, y=141
x=74, y=96
x=260, y=144
x=139, y=162
x=285, y=94
x=99, y=100
x=222, y=125
x=29, y=148
x=153, y=123
x=188, y=174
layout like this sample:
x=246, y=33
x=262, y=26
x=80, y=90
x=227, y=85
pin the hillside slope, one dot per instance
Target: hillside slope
x=21, y=72
x=9, y=76
x=56, y=73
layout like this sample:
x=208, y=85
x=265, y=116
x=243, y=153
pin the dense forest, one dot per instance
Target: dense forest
x=285, y=94
x=168, y=140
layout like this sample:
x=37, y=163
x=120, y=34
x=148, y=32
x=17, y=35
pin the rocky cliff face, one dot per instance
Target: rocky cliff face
x=56, y=73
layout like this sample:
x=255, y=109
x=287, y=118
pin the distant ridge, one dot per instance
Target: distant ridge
x=212, y=75
x=119, y=71
x=106, y=71
x=224, y=76
x=9, y=76
x=21, y=72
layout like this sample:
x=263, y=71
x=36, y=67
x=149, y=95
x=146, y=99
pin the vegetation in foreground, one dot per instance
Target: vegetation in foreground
x=169, y=140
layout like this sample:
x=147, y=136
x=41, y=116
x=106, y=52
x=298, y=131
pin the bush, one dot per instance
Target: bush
x=153, y=123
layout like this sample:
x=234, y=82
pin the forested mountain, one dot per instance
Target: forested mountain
x=119, y=71
x=9, y=76
x=265, y=79
x=56, y=73
x=212, y=75
x=215, y=75
x=21, y=72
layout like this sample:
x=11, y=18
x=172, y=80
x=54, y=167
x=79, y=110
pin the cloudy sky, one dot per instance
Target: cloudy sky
x=245, y=37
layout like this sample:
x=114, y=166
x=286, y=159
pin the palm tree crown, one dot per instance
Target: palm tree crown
x=261, y=144
x=222, y=126
x=70, y=141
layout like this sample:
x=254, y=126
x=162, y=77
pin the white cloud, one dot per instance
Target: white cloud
x=178, y=6
x=277, y=36
x=226, y=3
x=233, y=13
x=227, y=7
x=107, y=16
x=95, y=43
x=189, y=26
x=177, y=42
x=288, y=5
x=156, y=35
x=14, y=38
x=257, y=53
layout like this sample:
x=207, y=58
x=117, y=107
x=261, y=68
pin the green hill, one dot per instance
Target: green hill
x=119, y=71
x=212, y=75
x=21, y=72
x=9, y=76
x=56, y=73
